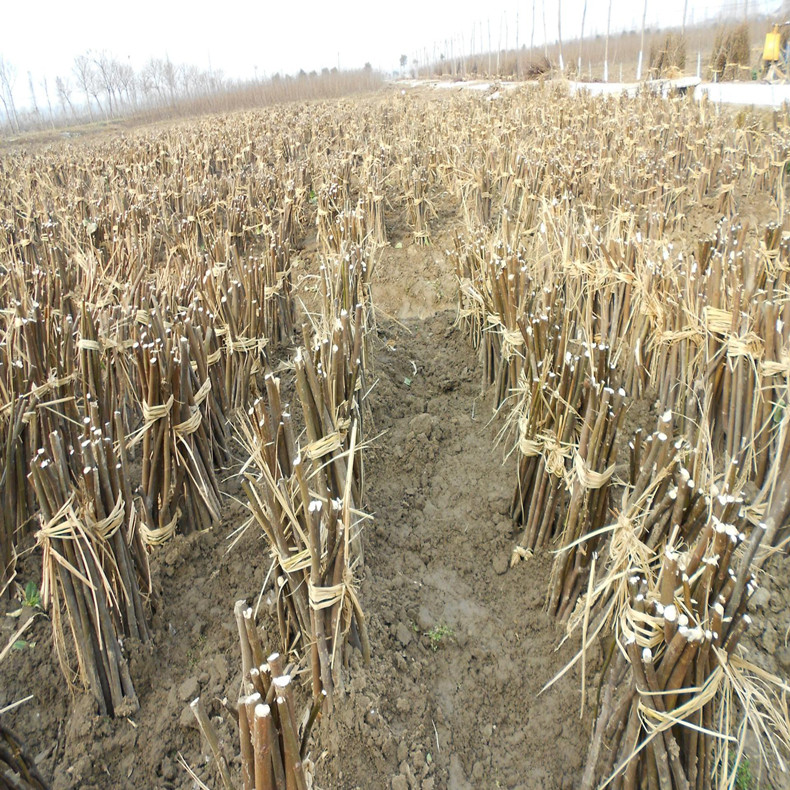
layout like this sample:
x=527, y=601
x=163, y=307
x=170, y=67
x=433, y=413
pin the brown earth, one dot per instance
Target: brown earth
x=461, y=643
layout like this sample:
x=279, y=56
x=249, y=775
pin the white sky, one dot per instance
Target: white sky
x=237, y=36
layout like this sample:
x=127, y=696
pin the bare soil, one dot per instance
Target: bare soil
x=461, y=643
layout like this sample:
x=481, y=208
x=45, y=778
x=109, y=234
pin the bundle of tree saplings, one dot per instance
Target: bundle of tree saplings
x=307, y=495
x=67, y=463
x=590, y=481
x=179, y=485
x=273, y=741
x=567, y=415
x=494, y=286
x=13, y=489
x=349, y=226
x=332, y=200
x=330, y=374
x=92, y=562
x=372, y=200
x=303, y=499
x=62, y=375
x=676, y=681
x=420, y=209
x=38, y=374
x=249, y=301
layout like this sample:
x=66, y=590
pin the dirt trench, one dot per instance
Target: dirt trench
x=461, y=644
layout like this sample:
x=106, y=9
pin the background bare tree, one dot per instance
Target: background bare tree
x=45, y=86
x=63, y=90
x=33, y=100
x=126, y=84
x=83, y=71
x=105, y=78
x=154, y=80
x=170, y=76
x=7, y=79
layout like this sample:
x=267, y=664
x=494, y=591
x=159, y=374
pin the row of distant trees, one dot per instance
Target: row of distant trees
x=104, y=86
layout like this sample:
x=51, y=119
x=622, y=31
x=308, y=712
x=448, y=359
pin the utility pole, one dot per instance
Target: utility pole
x=641, y=45
x=532, y=31
x=606, y=50
x=499, y=46
x=518, y=56
x=489, y=47
x=581, y=37
x=685, y=9
x=545, y=34
x=559, y=32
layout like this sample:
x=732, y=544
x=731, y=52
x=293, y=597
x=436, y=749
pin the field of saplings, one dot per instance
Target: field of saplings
x=409, y=441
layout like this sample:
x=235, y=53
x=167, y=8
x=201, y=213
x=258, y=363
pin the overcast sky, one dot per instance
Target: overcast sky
x=238, y=36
